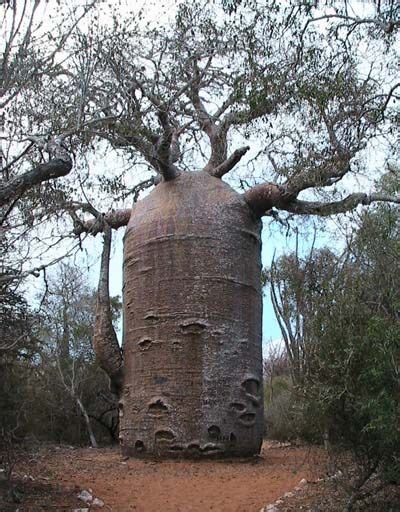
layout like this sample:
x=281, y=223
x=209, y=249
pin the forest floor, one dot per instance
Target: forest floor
x=51, y=478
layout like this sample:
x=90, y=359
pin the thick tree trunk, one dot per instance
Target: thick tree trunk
x=192, y=323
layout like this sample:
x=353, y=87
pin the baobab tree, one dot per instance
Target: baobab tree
x=185, y=100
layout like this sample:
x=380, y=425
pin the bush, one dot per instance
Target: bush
x=341, y=325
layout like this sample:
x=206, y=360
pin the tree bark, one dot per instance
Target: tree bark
x=192, y=323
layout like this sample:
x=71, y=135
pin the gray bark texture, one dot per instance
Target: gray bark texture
x=192, y=323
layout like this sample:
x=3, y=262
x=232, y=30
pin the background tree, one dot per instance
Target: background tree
x=67, y=317
x=53, y=364
x=340, y=321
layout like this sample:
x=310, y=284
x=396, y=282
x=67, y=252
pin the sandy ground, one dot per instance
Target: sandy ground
x=50, y=479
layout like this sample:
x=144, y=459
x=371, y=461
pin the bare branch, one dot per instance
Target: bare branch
x=229, y=163
x=114, y=219
x=347, y=204
x=59, y=165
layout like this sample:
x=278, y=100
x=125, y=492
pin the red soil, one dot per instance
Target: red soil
x=51, y=479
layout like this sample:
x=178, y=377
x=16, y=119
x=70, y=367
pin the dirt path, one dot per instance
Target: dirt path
x=53, y=477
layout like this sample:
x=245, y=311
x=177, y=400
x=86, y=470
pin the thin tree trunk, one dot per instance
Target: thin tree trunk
x=85, y=415
x=105, y=342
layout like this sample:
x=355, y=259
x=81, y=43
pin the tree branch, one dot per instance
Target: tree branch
x=114, y=219
x=105, y=342
x=165, y=145
x=217, y=134
x=345, y=205
x=262, y=198
x=59, y=165
x=9, y=166
x=229, y=163
x=323, y=175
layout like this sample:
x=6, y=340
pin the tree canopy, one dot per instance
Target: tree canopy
x=302, y=96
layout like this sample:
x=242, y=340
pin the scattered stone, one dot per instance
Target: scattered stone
x=97, y=502
x=288, y=495
x=86, y=497
x=271, y=508
x=284, y=445
x=80, y=510
x=303, y=481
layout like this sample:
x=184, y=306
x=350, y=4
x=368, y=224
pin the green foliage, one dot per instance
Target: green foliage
x=341, y=322
x=280, y=421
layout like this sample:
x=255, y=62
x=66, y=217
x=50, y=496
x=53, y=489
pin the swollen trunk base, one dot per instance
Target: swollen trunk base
x=192, y=323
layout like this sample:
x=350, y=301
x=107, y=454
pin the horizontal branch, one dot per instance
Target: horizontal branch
x=43, y=172
x=345, y=205
x=262, y=198
x=115, y=219
x=229, y=163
